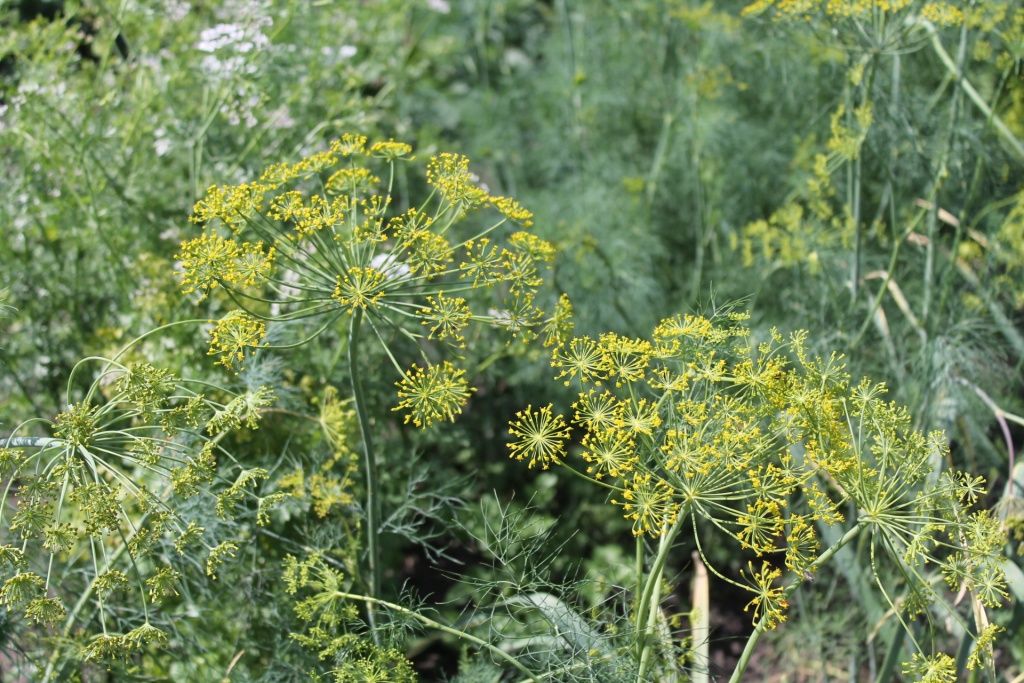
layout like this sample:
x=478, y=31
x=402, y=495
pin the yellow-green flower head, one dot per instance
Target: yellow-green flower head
x=647, y=502
x=449, y=174
x=579, y=359
x=326, y=241
x=595, y=411
x=233, y=336
x=353, y=181
x=611, y=453
x=437, y=392
x=538, y=436
x=207, y=261
x=447, y=317
x=391, y=150
x=769, y=600
x=350, y=144
x=360, y=288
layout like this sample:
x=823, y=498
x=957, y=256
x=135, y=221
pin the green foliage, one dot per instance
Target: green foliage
x=274, y=445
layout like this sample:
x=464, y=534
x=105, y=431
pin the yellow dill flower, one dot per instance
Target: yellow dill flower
x=942, y=13
x=801, y=545
x=352, y=181
x=287, y=206
x=939, y=668
x=647, y=501
x=610, y=452
x=981, y=653
x=403, y=226
x=559, y=327
x=579, y=359
x=428, y=253
x=760, y=526
x=595, y=411
x=433, y=393
x=639, y=417
x=449, y=174
x=624, y=359
x=207, y=261
x=769, y=601
x=349, y=144
x=513, y=210
x=520, y=271
x=484, y=262
x=360, y=287
x=539, y=437
x=253, y=263
x=277, y=174
x=391, y=150
x=232, y=335
x=538, y=249
x=446, y=317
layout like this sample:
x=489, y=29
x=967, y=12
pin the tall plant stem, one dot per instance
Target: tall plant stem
x=645, y=613
x=370, y=469
x=438, y=626
x=760, y=628
x=957, y=72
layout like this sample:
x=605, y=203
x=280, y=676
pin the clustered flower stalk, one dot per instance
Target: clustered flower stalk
x=320, y=242
x=764, y=443
x=106, y=485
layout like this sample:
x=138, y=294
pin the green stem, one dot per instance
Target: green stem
x=430, y=623
x=370, y=463
x=653, y=580
x=761, y=627
x=973, y=94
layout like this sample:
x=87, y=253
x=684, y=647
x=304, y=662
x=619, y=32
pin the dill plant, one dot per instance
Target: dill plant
x=327, y=240
x=701, y=428
x=96, y=514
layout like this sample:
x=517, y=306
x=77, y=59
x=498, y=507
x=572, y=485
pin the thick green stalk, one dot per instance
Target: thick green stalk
x=644, y=619
x=370, y=468
x=760, y=628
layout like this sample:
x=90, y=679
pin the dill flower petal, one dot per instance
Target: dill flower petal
x=540, y=437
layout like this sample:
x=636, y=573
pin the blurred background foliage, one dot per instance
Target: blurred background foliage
x=860, y=181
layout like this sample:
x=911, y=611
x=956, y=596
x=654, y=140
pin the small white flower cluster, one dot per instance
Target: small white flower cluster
x=229, y=46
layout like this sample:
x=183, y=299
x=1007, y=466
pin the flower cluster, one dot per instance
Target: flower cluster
x=768, y=443
x=324, y=238
x=104, y=491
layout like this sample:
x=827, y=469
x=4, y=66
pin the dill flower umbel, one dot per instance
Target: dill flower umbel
x=769, y=444
x=539, y=437
x=103, y=491
x=436, y=392
x=322, y=240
